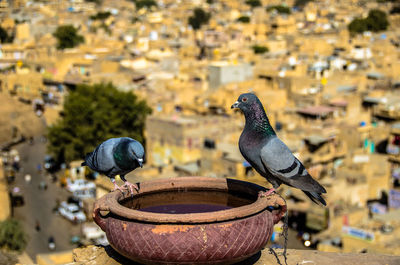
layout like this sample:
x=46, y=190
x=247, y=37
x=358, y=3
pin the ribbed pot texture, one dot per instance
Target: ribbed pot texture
x=221, y=237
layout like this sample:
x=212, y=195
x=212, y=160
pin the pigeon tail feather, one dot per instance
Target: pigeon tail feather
x=315, y=197
x=305, y=183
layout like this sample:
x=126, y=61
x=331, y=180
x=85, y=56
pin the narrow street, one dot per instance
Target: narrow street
x=39, y=203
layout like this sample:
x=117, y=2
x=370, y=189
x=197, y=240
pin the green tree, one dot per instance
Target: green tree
x=199, y=18
x=4, y=37
x=67, y=37
x=244, y=19
x=258, y=49
x=280, y=9
x=92, y=114
x=144, y=3
x=12, y=235
x=97, y=2
x=135, y=19
x=395, y=10
x=376, y=21
x=101, y=16
x=358, y=25
x=301, y=3
x=253, y=3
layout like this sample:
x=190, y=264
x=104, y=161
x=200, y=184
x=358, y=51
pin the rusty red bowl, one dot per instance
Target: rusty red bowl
x=220, y=237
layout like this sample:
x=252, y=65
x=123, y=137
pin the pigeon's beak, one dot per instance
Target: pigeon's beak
x=235, y=105
x=140, y=160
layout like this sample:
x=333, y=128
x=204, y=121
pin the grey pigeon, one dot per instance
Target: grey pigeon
x=268, y=155
x=116, y=156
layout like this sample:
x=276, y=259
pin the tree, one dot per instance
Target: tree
x=4, y=37
x=97, y=2
x=358, y=25
x=376, y=21
x=395, y=10
x=280, y=9
x=12, y=235
x=253, y=3
x=199, y=18
x=301, y=3
x=135, y=19
x=244, y=19
x=259, y=49
x=92, y=114
x=144, y=4
x=67, y=37
x=101, y=16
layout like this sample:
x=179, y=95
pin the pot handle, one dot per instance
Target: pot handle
x=283, y=209
x=282, y=213
x=99, y=219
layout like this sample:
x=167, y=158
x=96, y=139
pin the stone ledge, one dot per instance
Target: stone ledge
x=92, y=255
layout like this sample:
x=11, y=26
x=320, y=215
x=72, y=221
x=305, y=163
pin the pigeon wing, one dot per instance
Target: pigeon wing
x=280, y=161
x=101, y=159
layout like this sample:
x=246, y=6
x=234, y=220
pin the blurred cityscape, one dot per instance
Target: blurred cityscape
x=327, y=72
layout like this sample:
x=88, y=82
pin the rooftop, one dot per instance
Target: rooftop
x=316, y=110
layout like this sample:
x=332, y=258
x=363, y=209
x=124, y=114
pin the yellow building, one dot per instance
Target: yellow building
x=376, y=235
x=313, y=45
x=4, y=198
x=22, y=32
x=283, y=25
x=180, y=139
x=25, y=84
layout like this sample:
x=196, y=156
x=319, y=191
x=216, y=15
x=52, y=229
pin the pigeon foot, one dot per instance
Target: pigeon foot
x=116, y=187
x=265, y=194
x=131, y=186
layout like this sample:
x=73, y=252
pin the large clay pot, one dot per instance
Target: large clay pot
x=220, y=237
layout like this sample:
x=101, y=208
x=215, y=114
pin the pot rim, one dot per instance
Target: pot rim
x=110, y=201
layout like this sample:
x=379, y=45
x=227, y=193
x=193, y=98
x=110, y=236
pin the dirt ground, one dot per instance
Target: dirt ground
x=14, y=113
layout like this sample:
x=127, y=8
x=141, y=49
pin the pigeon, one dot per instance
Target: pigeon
x=268, y=155
x=116, y=156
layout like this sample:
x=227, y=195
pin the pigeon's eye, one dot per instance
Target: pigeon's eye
x=244, y=99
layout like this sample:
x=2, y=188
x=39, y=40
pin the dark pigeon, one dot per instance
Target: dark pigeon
x=116, y=156
x=268, y=155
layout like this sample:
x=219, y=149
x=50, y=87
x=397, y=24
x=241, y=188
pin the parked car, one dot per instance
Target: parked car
x=50, y=164
x=75, y=240
x=79, y=184
x=82, y=188
x=75, y=200
x=10, y=174
x=17, y=199
x=72, y=212
x=101, y=241
x=94, y=234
